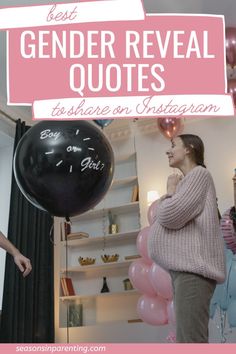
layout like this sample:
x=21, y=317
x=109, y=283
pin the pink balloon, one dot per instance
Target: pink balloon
x=228, y=231
x=152, y=310
x=142, y=244
x=152, y=212
x=161, y=281
x=232, y=89
x=230, y=34
x=171, y=313
x=170, y=127
x=138, y=274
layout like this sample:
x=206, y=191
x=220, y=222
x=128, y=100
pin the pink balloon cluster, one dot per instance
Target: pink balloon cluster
x=155, y=306
x=230, y=40
x=228, y=230
x=230, y=34
x=170, y=127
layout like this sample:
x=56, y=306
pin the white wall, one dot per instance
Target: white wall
x=5, y=187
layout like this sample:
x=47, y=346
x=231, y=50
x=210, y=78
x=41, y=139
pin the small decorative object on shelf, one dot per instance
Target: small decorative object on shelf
x=77, y=235
x=75, y=315
x=113, y=227
x=86, y=261
x=127, y=284
x=110, y=258
x=105, y=288
x=135, y=196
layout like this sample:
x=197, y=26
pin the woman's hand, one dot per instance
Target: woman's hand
x=23, y=264
x=172, y=183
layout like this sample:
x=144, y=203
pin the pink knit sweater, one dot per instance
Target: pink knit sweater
x=185, y=235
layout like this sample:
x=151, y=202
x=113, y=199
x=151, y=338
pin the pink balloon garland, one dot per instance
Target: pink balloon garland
x=152, y=310
x=161, y=281
x=142, y=244
x=138, y=274
x=155, y=306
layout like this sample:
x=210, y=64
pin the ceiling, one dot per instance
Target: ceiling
x=222, y=7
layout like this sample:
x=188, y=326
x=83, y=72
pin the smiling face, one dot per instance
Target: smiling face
x=177, y=153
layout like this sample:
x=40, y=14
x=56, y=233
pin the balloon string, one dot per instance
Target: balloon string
x=67, y=303
x=104, y=225
x=136, y=172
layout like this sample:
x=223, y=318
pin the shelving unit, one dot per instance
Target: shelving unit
x=88, y=268
x=83, y=297
x=118, y=305
x=119, y=237
x=122, y=182
x=98, y=213
x=125, y=157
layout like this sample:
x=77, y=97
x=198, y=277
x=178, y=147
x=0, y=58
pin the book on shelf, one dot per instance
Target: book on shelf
x=63, y=287
x=70, y=287
x=65, y=230
x=67, y=286
x=135, y=197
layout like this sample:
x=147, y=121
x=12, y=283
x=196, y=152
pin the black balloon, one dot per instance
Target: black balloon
x=103, y=122
x=64, y=167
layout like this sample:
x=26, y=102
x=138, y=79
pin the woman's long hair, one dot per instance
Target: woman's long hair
x=195, y=146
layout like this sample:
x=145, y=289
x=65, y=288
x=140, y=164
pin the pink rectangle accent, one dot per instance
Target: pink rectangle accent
x=137, y=348
x=152, y=62
x=69, y=13
x=134, y=107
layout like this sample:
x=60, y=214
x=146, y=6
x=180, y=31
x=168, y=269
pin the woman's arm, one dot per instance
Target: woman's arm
x=185, y=204
x=21, y=261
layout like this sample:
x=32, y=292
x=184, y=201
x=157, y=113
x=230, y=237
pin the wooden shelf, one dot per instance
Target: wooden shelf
x=123, y=182
x=98, y=213
x=124, y=158
x=110, y=294
x=127, y=323
x=121, y=236
x=99, y=266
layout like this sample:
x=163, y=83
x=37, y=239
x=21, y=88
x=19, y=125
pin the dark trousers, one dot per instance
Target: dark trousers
x=192, y=296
